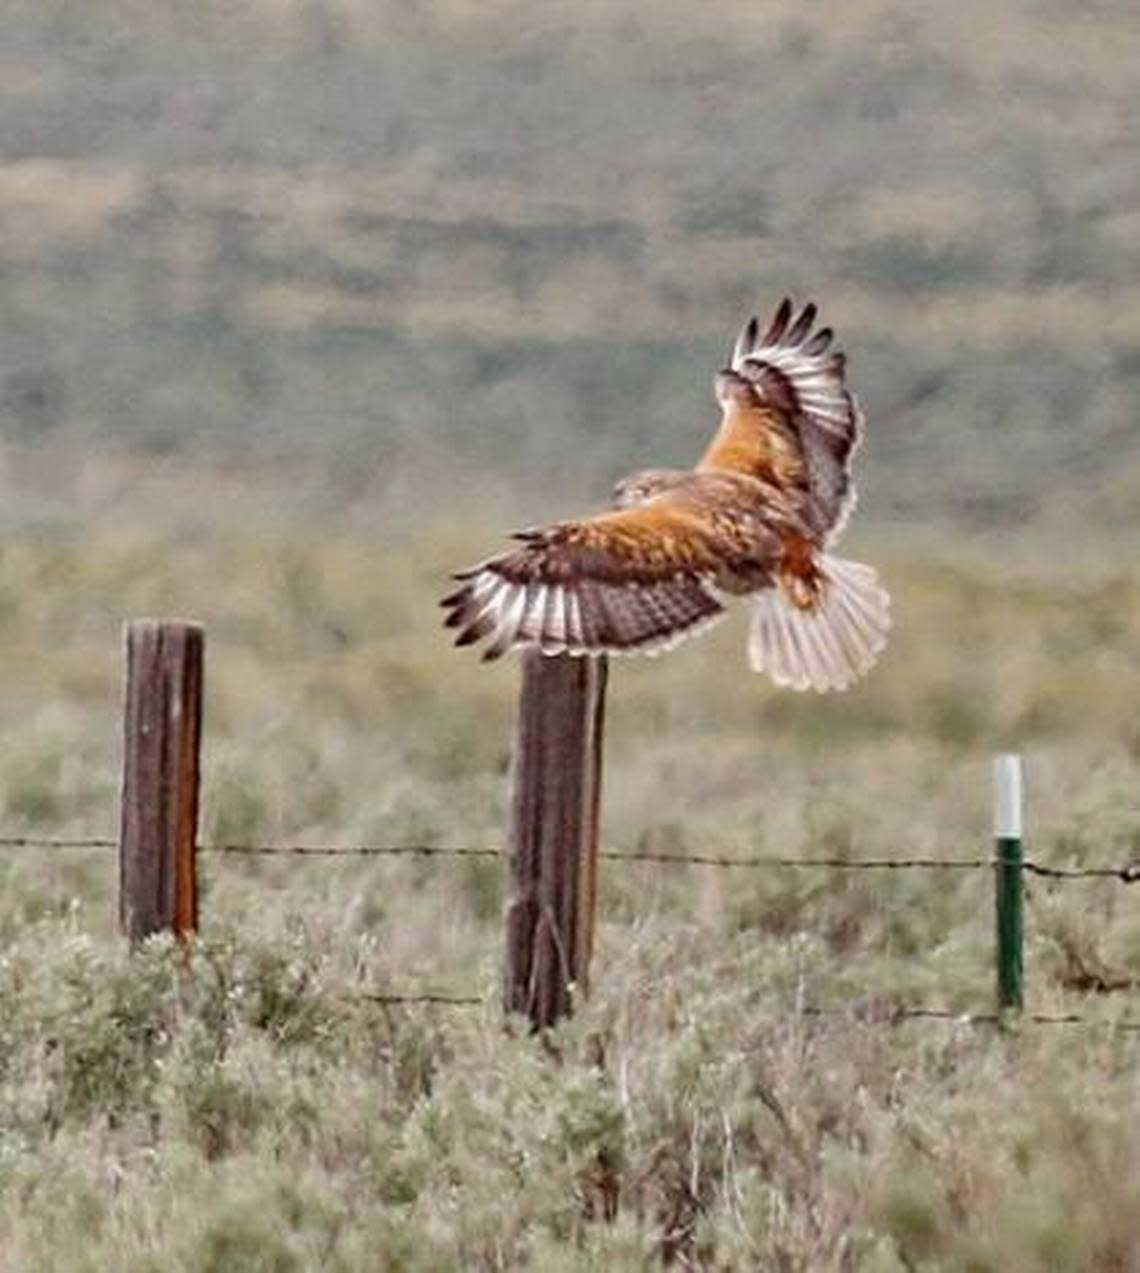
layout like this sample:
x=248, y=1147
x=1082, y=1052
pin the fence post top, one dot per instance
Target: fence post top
x=1008, y=799
x=143, y=634
x=148, y=624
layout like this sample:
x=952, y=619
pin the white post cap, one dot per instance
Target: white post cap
x=1007, y=797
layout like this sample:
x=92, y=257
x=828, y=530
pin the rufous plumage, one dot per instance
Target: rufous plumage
x=756, y=518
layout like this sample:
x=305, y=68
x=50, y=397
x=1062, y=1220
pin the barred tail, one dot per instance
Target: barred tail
x=828, y=645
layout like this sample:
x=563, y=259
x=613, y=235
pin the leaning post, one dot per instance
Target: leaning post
x=158, y=885
x=552, y=871
x=1008, y=803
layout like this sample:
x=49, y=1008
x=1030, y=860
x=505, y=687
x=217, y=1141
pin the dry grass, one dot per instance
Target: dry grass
x=246, y=1111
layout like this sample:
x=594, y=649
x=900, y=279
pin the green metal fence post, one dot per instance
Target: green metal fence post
x=1008, y=879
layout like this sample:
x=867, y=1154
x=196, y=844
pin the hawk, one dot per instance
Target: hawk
x=756, y=518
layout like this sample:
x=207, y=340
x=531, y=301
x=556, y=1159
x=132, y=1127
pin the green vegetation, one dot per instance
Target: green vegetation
x=302, y=304
x=246, y=1108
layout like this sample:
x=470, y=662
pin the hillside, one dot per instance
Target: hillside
x=358, y=233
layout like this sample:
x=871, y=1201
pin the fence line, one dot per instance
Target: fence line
x=888, y=1016
x=1128, y=873
x=552, y=847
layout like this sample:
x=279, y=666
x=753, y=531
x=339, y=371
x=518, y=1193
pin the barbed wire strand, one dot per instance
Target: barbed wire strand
x=896, y=1015
x=351, y=850
x=888, y=1016
x=1129, y=873
x=56, y=842
x=433, y=998
x=610, y=855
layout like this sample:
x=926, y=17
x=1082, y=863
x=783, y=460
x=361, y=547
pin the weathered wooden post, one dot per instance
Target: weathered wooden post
x=552, y=886
x=158, y=884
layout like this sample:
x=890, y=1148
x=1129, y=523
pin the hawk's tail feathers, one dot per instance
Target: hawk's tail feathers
x=826, y=646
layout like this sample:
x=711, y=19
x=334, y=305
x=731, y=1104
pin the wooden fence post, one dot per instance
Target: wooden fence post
x=555, y=799
x=158, y=884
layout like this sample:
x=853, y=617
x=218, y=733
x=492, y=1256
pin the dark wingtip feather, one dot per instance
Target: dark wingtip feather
x=455, y=598
x=819, y=342
x=802, y=325
x=746, y=341
x=779, y=323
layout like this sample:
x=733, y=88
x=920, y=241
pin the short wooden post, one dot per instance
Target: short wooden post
x=554, y=834
x=158, y=885
x=1008, y=879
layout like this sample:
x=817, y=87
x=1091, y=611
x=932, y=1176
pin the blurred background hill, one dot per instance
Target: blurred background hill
x=306, y=301
x=365, y=236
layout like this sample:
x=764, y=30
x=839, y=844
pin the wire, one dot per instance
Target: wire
x=890, y=1015
x=52, y=842
x=809, y=863
x=1129, y=873
x=430, y=997
x=356, y=850
x=610, y=855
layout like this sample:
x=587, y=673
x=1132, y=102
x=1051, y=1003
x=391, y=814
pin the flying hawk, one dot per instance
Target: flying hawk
x=755, y=518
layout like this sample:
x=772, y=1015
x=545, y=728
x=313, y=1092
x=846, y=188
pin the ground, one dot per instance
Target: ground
x=245, y=1106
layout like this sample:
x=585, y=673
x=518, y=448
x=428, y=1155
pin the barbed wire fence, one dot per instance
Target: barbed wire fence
x=551, y=853
x=876, y=1013
x=1126, y=873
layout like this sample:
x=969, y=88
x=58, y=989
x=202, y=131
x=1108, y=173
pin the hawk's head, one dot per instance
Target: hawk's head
x=639, y=487
x=732, y=388
x=759, y=386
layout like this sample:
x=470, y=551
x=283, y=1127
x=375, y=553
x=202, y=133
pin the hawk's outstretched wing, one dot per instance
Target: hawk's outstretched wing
x=641, y=579
x=772, y=491
x=789, y=419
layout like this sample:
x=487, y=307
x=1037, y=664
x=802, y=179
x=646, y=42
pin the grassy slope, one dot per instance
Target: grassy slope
x=249, y=1113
